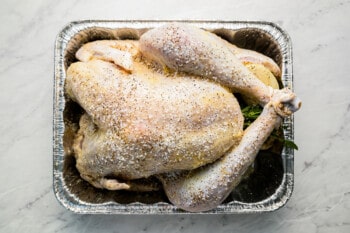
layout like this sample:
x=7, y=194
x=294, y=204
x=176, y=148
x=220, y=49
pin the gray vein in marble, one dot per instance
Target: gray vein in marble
x=12, y=190
x=336, y=136
x=30, y=24
x=31, y=203
x=19, y=60
x=331, y=6
x=318, y=47
x=10, y=129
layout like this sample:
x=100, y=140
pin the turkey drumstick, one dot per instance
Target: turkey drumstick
x=206, y=187
x=188, y=49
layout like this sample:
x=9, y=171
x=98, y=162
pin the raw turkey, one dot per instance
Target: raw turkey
x=164, y=106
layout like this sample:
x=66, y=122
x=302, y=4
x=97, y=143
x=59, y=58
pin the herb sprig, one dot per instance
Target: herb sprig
x=251, y=113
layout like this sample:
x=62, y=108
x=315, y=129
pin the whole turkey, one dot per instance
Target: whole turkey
x=164, y=106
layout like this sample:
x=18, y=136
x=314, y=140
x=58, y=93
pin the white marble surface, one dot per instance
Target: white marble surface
x=320, y=31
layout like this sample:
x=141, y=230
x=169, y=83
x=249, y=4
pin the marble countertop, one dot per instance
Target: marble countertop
x=320, y=32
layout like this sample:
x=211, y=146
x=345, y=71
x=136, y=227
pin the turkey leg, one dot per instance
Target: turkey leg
x=188, y=49
x=204, y=188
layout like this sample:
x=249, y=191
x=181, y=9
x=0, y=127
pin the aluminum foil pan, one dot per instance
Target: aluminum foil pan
x=267, y=188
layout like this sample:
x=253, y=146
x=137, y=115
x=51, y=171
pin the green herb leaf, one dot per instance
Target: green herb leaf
x=290, y=144
x=252, y=112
